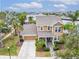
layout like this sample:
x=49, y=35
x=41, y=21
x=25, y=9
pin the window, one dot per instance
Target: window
x=49, y=27
x=57, y=29
x=41, y=28
x=58, y=37
x=55, y=38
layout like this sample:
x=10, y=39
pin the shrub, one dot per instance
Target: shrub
x=40, y=44
x=55, y=46
x=46, y=49
x=59, y=42
x=63, y=53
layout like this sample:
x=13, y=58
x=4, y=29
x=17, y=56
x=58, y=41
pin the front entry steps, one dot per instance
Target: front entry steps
x=52, y=52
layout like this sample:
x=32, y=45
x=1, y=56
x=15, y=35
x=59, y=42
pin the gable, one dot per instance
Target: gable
x=58, y=23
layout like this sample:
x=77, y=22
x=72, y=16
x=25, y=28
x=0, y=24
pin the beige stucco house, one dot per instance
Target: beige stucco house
x=48, y=27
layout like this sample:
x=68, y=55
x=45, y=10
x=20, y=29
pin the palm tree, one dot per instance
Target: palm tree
x=12, y=19
x=22, y=17
x=73, y=16
x=17, y=26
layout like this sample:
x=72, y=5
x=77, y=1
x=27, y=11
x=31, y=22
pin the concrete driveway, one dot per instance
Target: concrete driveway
x=27, y=50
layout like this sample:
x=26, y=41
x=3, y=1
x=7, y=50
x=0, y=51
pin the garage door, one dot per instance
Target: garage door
x=29, y=37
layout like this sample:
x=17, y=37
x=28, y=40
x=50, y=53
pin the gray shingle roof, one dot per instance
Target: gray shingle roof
x=29, y=29
x=47, y=20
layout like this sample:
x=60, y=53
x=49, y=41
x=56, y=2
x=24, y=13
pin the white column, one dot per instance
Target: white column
x=53, y=40
x=46, y=42
x=57, y=38
x=38, y=38
x=27, y=18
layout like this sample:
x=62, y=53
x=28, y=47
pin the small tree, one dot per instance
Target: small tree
x=31, y=20
x=40, y=44
x=71, y=42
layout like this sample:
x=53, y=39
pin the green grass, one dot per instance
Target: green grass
x=10, y=42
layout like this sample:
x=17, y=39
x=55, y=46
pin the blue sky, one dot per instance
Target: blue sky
x=39, y=5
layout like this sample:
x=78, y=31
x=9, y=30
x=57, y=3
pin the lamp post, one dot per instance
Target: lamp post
x=9, y=52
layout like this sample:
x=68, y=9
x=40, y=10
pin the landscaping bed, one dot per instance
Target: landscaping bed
x=41, y=50
x=43, y=54
x=12, y=43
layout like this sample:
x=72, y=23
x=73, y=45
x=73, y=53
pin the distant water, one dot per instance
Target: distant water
x=66, y=21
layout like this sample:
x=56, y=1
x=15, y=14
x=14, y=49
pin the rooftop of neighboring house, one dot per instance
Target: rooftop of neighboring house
x=67, y=18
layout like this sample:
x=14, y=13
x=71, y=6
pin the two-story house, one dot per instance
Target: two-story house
x=50, y=28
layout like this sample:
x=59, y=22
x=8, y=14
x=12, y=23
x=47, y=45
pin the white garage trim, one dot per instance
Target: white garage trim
x=30, y=35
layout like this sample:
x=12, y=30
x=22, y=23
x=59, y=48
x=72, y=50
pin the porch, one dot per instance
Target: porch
x=49, y=41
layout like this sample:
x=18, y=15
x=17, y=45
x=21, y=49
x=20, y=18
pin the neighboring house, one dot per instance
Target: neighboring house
x=78, y=28
x=50, y=28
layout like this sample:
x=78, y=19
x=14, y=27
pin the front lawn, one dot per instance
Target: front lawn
x=12, y=43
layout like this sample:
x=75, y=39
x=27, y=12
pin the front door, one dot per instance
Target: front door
x=49, y=41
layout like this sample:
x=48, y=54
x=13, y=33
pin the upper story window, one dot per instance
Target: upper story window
x=44, y=28
x=41, y=28
x=48, y=27
x=58, y=29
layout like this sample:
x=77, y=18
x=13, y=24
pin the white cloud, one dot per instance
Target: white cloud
x=68, y=2
x=61, y=10
x=59, y=5
x=29, y=5
x=12, y=8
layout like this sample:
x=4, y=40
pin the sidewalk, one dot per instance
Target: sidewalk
x=8, y=57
